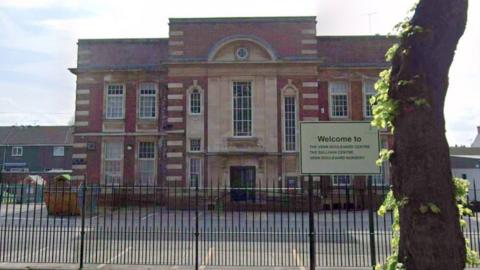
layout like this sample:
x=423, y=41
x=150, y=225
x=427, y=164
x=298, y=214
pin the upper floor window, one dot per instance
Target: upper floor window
x=58, y=151
x=17, y=151
x=195, y=102
x=195, y=145
x=242, y=109
x=148, y=101
x=368, y=93
x=146, y=163
x=342, y=180
x=112, y=162
x=338, y=99
x=290, y=123
x=115, y=101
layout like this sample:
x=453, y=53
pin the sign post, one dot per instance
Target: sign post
x=329, y=148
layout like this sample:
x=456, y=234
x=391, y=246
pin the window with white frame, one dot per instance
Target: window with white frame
x=112, y=162
x=58, y=151
x=290, y=123
x=195, y=175
x=146, y=163
x=147, y=101
x=368, y=93
x=17, y=151
x=341, y=180
x=195, y=145
x=195, y=102
x=338, y=99
x=115, y=101
x=242, y=109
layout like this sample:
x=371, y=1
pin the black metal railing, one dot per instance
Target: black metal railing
x=323, y=226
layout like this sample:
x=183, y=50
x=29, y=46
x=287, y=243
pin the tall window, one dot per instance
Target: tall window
x=114, y=102
x=342, y=180
x=195, y=176
x=195, y=102
x=146, y=163
x=290, y=123
x=195, y=145
x=368, y=92
x=112, y=162
x=338, y=99
x=17, y=151
x=147, y=101
x=242, y=109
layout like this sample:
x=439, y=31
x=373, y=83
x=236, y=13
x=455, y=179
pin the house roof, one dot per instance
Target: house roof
x=36, y=135
x=465, y=151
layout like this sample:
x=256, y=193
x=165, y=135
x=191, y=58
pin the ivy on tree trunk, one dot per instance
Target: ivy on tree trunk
x=430, y=234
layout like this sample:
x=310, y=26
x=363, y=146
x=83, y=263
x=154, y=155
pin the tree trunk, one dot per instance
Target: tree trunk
x=421, y=162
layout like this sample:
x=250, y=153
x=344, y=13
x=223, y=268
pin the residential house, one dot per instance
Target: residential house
x=39, y=150
x=466, y=165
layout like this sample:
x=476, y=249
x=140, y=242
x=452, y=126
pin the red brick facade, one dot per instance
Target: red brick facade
x=289, y=55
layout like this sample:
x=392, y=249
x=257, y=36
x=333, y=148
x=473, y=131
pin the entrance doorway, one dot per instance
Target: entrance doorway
x=242, y=183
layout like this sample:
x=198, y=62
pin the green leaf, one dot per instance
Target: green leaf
x=434, y=208
x=423, y=208
x=391, y=52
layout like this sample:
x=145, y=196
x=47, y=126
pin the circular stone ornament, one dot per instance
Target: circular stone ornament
x=241, y=53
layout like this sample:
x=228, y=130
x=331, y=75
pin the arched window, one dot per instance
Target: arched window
x=195, y=102
x=290, y=122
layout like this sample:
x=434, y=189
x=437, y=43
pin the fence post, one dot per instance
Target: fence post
x=311, y=223
x=82, y=230
x=371, y=226
x=196, y=225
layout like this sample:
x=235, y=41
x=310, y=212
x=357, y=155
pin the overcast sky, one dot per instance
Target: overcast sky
x=38, y=44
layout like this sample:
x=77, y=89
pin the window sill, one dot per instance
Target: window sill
x=242, y=138
x=243, y=142
x=114, y=119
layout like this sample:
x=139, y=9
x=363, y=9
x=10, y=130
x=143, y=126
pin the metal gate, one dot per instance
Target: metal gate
x=329, y=226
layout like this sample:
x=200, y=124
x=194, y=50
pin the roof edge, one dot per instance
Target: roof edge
x=120, y=40
x=243, y=19
x=358, y=37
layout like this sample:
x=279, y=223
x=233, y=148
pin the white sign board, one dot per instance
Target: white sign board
x=338, y=148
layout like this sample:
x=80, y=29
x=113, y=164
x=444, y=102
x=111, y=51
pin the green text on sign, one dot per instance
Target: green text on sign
x=338, y=148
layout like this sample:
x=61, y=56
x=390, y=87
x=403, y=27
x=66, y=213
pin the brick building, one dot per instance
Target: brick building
x=218, y=102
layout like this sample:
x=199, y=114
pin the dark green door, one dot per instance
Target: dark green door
x=242, y=183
